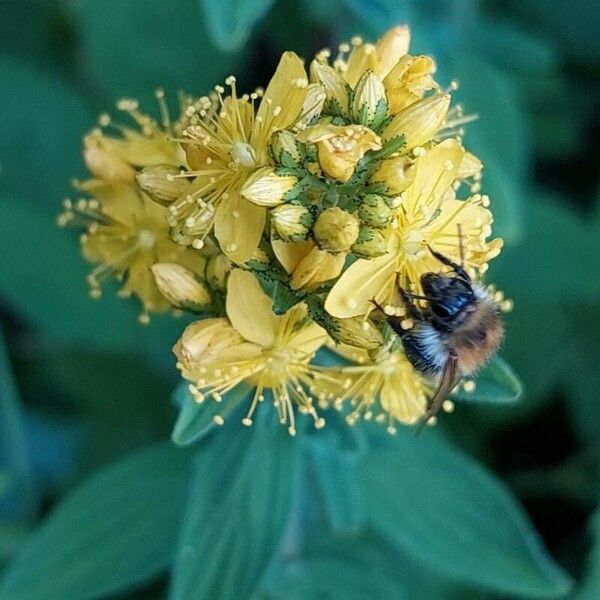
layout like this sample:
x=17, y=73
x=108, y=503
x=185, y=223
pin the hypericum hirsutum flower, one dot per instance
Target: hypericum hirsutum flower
x=427, y=214
x=287, y=215
x=126, y=232
x=254, y=346
x=226, y=144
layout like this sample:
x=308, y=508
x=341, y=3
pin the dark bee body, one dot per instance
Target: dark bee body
x=457, y=332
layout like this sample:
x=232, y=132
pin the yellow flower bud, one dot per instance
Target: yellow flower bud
x=391, y=47
x=336, y=89
x=317, y=267
x=161, y=185
x=104, y=164
x=370, y=243
x=285, y=147
x=266, y=188
x=341, y=147
x=180, y=286
x=312, y=106
x=356, y=332
x=419, y=122
x=375, y=211
x=408, y=81
x=369, y=99
x=292, y=222
x=470, y=166
x=217, y=271
x=336, y=230
x=201, y=343
x=395, y=173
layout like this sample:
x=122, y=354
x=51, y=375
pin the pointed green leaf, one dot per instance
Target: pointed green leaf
x=238, y=508
x=115, y=530
x=497, y=384
x=197, y=419
x=230, y=22
x=446, y=511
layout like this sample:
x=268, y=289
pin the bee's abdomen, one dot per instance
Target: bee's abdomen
x=425, y=349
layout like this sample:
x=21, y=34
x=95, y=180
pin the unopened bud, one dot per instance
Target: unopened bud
x=375, y=211
x=317, y=267
x=180, y=286
x=217, y=271
x=391, y=47
x=370, y=243
x=160, y=184
x=336, y=230
x=419, y=122
x=395, y=173
x=285, y=148
x=292, y=222
x=370, y=104
x=336, y=89
x=355, y=331
x=312, y=106
x=266, y=188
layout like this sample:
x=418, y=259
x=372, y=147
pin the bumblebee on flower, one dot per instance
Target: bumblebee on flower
x=305, y=214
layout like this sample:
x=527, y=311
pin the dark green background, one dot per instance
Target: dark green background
x=82, y=385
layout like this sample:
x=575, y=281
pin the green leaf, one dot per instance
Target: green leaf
x=117, y=529
x=230, y=22
x=444, y=510
x=197, y=420
x=133, y=47
x=18, y=498
x=42, y=120
x=244, y=485
x=497, y=384
x=590, y=590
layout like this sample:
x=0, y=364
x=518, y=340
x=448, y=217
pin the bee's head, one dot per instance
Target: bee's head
x=436, y=285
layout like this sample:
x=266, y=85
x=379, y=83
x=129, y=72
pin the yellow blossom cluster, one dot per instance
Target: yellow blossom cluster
x=283, y=216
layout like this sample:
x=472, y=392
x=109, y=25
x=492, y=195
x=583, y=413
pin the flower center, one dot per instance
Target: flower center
x=242, y=153
x=412, y=243
x=146, y=239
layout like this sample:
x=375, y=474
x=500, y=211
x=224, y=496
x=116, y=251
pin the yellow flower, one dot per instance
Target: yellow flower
x=428, y=214
x=341, y=147
x=379, y=57
x=269, y=352
x=386, y=390
x=408, y=81
x=230, y=140
x=127, y=233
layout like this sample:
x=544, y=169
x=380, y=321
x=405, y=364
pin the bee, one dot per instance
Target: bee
x=457, y=332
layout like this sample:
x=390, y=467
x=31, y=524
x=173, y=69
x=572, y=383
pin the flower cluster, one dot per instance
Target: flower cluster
x=279, y=216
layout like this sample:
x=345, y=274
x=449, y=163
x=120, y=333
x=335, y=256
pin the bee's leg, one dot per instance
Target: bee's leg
x=449, y=263
x=413, y=311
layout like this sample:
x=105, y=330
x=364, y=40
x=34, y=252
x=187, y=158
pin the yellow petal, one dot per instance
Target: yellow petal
x=238, y=226
x=391, y=47
x=308, y=339
x=363, y=58
x=362, y=281
x=435, y=171
x=266, y=188
x=289, y=254
x=282, y=101
x=249, y=309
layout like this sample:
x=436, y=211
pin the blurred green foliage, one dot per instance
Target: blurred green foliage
x=94, y=499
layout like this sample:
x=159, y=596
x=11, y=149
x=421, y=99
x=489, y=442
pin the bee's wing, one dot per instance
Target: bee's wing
x=447, y=382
